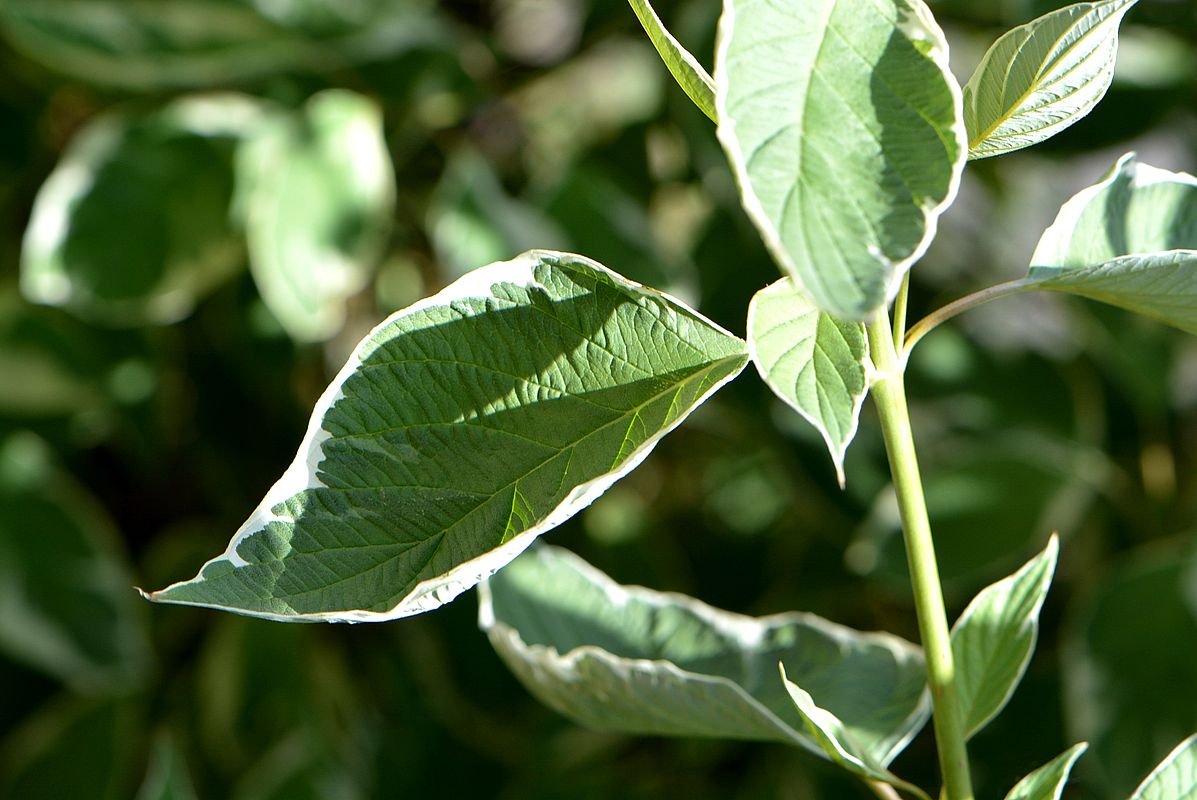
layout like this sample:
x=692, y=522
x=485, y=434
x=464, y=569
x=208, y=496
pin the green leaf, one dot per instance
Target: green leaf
x=844, y=129
x=133, y=226
x=166, y=777
x=837, y=740
x=633, y=660
x=1133, y=210
x=812, y=361
x=145, y=44
x=65, y=603
x=1042, y=77
x=1127, y=241
x=1047, y=782
x=1176, y=776
x=994, y=638
x=317, y=194
x=462, y=428
x=685, y=69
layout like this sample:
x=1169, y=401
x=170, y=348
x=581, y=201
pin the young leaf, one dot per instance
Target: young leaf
x=132, y=227
x=1047, y=782
x=994, y=638
x=462, y=428
x=316, y=191
x=838, y=742
x=1128, y=241
x=1176, y=776
x=844, y=128
x=1042, y=77
x=812, y=361
x=634, y=660
x=686, y=70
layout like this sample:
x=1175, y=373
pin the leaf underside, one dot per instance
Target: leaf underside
x=1042, y=77
x=844, y=129
x=638, y=661
x=1130, y=241
x=812, y=361
x=461, y=429
x=1176, y=776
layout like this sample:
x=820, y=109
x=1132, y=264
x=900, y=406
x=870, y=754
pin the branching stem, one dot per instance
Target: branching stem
x=889, y=394
x=942, y=315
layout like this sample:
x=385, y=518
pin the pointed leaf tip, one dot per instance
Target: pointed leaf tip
x=462, y=428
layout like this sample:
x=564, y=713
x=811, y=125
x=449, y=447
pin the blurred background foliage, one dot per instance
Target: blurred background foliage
x=210, y=201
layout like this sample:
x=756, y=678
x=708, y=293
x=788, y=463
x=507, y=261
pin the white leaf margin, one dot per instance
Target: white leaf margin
x=1180, y=749
x=917, y=23
x=302, y=474
x=1129, y=168
x=1066, y=762
x=746, y=631
x=838, y=451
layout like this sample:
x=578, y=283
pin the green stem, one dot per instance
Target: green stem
x=940, y=316
x=889, y=394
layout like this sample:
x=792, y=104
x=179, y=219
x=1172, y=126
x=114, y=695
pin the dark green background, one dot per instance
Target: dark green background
x=129, y=456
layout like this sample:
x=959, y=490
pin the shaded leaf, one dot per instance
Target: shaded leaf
x=812, y=361
x=634, y=660
x=1128, y=241
x=837, y=740
x=994, y=639
x=1132, y=679
x=317, y=193
x=462, y=428
x=1047, y=782
x=166, y=776
x=686, y=70
x=133, y=225
x=65, y=602
x=144, y=44
x=1042, y=77
x=844, y=129
x=1176, y=776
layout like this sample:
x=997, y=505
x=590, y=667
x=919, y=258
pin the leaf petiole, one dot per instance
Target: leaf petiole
x=952, y=309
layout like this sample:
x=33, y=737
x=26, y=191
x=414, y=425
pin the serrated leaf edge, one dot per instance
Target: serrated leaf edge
x=302, y=473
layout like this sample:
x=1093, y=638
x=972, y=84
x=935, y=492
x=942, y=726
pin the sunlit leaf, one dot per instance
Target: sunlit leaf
x=143, y=44
x=1176, y=776
x=838, y=742
x=133, y=225
x=1047, y=782
x=812, y=361
x=1042, y=77
x=317, y=192
x=462, y=428
x=845, y=132
x=994, y=638
x=1130, y=241
x=686, y=70
x=634, y=660
x=66, y=606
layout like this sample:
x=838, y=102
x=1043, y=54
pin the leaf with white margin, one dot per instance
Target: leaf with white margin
x=811, y=360
x=1176, y=776
x=317, y=191
x=845, y=130
x=1130, y=241
x=838, y=742
x=1042, y=77
x=133, y=225
x=1047, y=782
x=461, y=429
x=634, y=660
x=686, y=70
x=994, y=638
